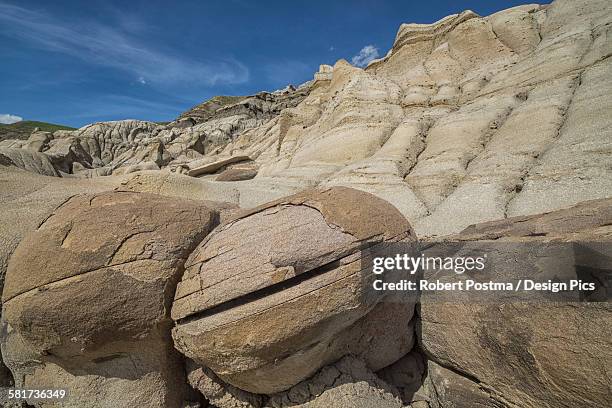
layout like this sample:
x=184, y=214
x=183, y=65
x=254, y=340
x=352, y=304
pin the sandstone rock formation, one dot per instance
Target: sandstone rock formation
x=538, y=353
x=265, y=307
x=500, y=110
x=95, y=303
x=347, y=383
x=218, y=393
x=261, y=107
x=28, y=160
x=130, y=145
x=499, y=124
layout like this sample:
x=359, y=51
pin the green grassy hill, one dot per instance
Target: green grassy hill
x=23, y=129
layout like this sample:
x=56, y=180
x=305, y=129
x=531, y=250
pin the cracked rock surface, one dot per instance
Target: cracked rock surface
x=265, y=307
x=93, y=314
x=346, y=383
x=535, y=353
x=476, y=129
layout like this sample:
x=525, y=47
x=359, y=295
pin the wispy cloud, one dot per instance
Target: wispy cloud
x=7, y=118
x=115, y=47
x=365, y=56
x=117, y=107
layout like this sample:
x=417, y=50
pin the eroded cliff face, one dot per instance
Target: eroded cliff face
x=502, y=108
x=485, y=116
x=465, y=121
x=482, y=117
x=120, y=147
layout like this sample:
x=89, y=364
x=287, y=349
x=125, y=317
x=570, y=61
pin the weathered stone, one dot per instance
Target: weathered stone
x=263, y=104
x=106, y=141
x=218, y=393
x=536, y=353
x=346, y=383
x=28, y=160
x=88, y=301
x=215, y=166
x=38, y=141
x=143, y=166
x=282, y=290
x=464, y=121
x=406, y=374
x=64, y=152
x=237, y=174
x=452, y=390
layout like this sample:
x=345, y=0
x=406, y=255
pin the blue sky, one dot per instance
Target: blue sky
x=77, y=62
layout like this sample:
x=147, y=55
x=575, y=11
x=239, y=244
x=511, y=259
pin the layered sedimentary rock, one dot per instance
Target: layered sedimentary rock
x=27, y=160
x=264, y=308
x=477, y=115
x=535, y=352
x=482, y=115
x=262, y=106
x=465, y=121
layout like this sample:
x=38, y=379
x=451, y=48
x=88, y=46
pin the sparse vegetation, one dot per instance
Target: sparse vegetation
x=23, y=129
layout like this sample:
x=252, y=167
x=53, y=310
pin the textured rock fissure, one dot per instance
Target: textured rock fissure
x=189, y=318
x=52, y=213
x=454, y=369
x=595, y=62
x=280, y=286
x=267, y=291
x=331, y=224
x=590, y=47
x=564, y=113
x=123, y=242
x=518, y=187
x=424, y=132
x=66, y=234
x=494, y=127
x=437, y=395
x=574, y=71
x=428, y=125
x=180, y=266
x=254, y=268
x=68, y=278
x=536, y=23
x=498, y=38
x=496, y=399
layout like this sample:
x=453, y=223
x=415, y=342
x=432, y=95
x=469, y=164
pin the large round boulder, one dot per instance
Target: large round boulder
x=87, y=298
x=278, y=292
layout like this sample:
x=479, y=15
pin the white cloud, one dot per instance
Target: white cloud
x=7, y=118
x=365, y=56
x=116, y=47
x=141, y=80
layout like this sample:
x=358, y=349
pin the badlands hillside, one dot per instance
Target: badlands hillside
x=217, y=259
